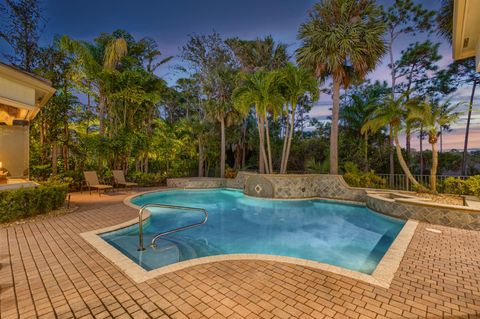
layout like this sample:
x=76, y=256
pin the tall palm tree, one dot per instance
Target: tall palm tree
x=92, y=64
x=357, y=112
x=433, y=118
x=392, y=115
x=297, y=82
x=261, y=90
x=341, y=37
x=220, y=108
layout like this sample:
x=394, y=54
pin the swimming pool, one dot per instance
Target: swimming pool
x=339, y=234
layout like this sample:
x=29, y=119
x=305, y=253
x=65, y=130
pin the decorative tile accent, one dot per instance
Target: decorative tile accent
x=259, y=186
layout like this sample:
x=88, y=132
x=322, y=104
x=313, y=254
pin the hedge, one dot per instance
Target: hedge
x=469, y=186
x=26, y=202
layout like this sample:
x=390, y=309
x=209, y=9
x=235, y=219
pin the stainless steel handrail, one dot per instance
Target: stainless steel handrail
x=152, y=243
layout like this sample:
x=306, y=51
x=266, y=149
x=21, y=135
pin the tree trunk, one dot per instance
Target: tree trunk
x=261, y=150
x=365, y=154
x=145, y=164
x=269, y=150
x=201, y=159
x=392, y=63
x=441, y=140
x=407, y=142
x=467, y=130
x=244, y=144
x=433, y=172
x=101, y=116
x=402, y=162
x=54, y=159
x=391, y=159
x=334, y=128
x=222, y=147
x=264, y=156
x=421, y=150
x=290, y=137
x=284, y=149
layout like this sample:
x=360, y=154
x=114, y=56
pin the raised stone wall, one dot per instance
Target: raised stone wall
x=432, y=213
x=288, y=186
x=301, y=186
x=197, y=182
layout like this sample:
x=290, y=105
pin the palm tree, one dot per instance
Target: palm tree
x=433, y=118
x=357, y=112
x=259, y=54
x=341, y=37
x=260, y=89
x=393, y=114
x=219, y=106
x=445, y=20
x=297, y=82
x=92, y=64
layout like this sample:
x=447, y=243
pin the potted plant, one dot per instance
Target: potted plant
x=3, y=175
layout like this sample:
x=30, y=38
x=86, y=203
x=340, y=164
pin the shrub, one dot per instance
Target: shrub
x=354, y=177
x=469, y=186
x=453, y=185
x=26, y=202
x=149, y=179
x=230, y=173
x=473, y=185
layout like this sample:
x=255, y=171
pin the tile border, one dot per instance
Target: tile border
x=382, y=275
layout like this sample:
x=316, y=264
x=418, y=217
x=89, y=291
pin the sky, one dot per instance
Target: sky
x=170, y=23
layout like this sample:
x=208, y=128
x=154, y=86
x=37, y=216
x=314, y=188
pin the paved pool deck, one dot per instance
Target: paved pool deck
x=47, y=270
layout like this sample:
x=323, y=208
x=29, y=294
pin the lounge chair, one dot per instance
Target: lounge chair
x=119, y=178
x=91, y=179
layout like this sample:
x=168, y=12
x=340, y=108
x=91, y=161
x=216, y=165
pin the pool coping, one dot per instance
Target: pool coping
x=382, y=275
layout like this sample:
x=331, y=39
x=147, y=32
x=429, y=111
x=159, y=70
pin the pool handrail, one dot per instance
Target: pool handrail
x=153, y=242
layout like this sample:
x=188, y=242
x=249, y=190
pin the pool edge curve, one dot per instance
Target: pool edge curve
x=382, y=275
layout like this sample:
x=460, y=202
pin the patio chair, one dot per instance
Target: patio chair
x=91, y=179
x=119, y=178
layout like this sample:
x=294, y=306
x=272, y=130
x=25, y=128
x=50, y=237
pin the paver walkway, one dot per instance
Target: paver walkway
x=48, y=270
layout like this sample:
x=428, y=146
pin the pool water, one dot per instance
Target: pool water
x=344, y=235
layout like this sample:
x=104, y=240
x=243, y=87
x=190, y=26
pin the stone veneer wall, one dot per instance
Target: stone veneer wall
x=301, y=186
x=197, y=182
x=279, y=186
x=447, y=215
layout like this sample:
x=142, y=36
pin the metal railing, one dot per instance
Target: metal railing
x=171, y=231
x=401, y=182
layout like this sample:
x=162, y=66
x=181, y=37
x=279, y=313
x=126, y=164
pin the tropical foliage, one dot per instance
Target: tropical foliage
x=246, y=103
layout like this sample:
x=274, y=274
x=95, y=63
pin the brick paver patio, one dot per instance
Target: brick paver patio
x=48, y=270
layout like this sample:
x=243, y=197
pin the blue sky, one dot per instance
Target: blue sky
x=170, y=23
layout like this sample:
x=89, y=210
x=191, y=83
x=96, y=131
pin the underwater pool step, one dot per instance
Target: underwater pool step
x=168, y=232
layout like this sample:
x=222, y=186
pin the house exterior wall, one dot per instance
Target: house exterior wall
x=14, y=150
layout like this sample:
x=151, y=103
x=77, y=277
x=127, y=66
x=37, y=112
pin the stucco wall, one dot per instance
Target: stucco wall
x=14, y=149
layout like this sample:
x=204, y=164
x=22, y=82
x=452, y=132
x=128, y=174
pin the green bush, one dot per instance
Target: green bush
x=356, y=178
x=453, y=185
x=469, y=186
x=473, y=185
x=148, y=179
x=26, y=202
